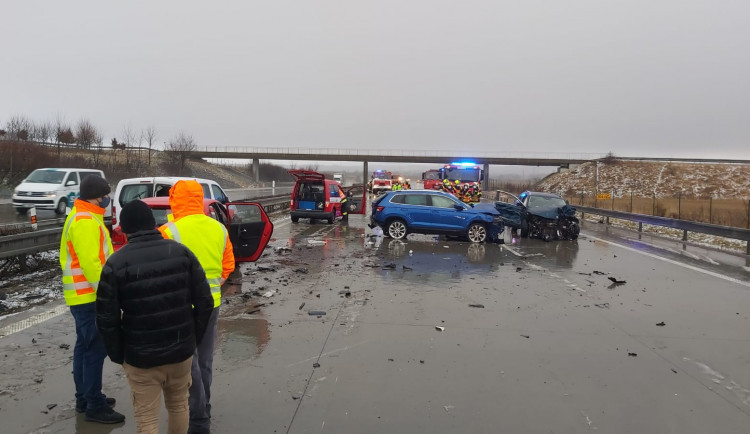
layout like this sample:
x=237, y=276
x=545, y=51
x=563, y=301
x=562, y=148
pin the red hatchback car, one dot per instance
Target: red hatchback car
x=249, y=227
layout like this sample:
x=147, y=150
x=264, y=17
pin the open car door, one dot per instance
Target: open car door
x=357, y=195
x=306, y=175
x=511, y=209
x=250, y=229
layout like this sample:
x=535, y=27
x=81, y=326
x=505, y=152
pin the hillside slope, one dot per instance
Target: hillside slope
x=648, y=179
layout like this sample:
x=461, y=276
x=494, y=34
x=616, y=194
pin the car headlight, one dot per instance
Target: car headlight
x=50, y=194
x=15, y=192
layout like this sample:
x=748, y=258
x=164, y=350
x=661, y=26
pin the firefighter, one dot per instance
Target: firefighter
x=344, y=205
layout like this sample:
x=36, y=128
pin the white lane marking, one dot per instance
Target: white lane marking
x=33, y=320
x=671, y=261
x=512, y=251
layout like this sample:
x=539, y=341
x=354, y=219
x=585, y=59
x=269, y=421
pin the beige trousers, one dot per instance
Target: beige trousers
x=146, y=386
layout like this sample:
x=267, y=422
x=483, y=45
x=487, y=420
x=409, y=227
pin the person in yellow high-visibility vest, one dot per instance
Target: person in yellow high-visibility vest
x=209, y=241
x=85, y=246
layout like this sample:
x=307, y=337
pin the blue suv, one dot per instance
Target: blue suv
x=433, y=212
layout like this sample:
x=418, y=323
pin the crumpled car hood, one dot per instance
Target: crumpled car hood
x=553, y=212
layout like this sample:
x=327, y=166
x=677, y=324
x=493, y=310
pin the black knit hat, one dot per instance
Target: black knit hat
x=136, y=216
x=94, y=186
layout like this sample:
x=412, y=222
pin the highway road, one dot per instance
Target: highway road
x=556, y=346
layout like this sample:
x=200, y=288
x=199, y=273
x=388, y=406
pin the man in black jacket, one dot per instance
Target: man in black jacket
x=153, y=304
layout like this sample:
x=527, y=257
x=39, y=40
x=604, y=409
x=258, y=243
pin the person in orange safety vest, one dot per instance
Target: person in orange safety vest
x=209, y=241
x=85, y=246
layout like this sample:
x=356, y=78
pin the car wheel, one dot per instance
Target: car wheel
x=61, y=207
x=477, y=233
x=295, y=219
x=397, y=229
x=21, y=211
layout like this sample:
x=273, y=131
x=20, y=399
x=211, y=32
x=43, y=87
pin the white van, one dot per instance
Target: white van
x=139, y=188
x=50, y=188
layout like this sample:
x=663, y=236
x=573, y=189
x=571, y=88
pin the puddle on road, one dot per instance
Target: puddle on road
x=242, y=338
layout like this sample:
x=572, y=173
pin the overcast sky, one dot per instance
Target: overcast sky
x=634, y=77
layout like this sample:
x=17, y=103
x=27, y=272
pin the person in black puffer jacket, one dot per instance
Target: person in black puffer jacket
x=152, y=308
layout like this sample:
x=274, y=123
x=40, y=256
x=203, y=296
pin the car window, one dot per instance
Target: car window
x=162, y=190
x=399, y=198
x=206, y=191
x=218, y=194
x=245, y=214
x=135, y=191
x=442, y=202
x=72, y=176
x=334, y=189
x=161, y=215
x=545, y=202
x=46, y=176
x=415, y=199
x=85, y=175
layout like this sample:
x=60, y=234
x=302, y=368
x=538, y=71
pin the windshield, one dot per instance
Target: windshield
x=41, y=176
x=546, y=202
x=463, y=175
x=381, y=175
x=430, y=175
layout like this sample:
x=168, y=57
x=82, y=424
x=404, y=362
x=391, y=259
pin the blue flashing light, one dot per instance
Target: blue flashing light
x=523, y=195
x=464, y=163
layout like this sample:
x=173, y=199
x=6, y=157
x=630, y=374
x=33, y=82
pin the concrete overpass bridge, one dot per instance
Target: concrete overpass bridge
x=365, y=156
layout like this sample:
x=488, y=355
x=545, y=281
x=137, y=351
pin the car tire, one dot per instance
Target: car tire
x=477, y=233
x=295, y=219
x=330, y=220
x=22, y=211
x=397, y=229
x=61, y=207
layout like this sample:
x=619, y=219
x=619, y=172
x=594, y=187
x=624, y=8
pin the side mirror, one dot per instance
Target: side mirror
x=69, y=183
x=458, y=207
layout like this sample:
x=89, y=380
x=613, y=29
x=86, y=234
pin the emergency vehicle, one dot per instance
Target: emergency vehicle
x=381, y=181
x=462, y=179
x=431, y=179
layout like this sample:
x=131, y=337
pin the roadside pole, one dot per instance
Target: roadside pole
x=32, y=214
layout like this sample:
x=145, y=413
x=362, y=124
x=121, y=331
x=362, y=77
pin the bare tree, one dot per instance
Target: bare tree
x=149, y=136
x=129, y=140
x=179, y=149
x=87, y=134
x=19, y=127
x=43, y=131
x=60, y=133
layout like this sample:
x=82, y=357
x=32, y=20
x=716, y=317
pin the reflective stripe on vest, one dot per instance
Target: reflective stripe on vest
x=214, y=281
x=76, y=289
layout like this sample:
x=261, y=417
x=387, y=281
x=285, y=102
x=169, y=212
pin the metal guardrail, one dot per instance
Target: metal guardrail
x=49, y=239
x=684, y=225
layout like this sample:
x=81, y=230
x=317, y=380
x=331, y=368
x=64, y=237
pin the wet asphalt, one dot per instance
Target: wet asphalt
x=444, y=336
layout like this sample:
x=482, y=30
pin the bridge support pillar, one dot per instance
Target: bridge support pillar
x=256, y=169
x=486, y=181
x=365, y=173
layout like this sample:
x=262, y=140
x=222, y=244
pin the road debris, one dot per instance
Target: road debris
x=617, y=281
x=526, y=336
x=405, y=268
x=51, y=406
x=390, y=266
x=316, y=312
x=602, y=305
x=480, y=306
x=600, y=273
x=633, y=354
x=661, y=324
x=301, y=306
x=301, y=270
x=269, y=293
x=439, y=328
x=65, y=346
x=316, y=365
x=316, y=242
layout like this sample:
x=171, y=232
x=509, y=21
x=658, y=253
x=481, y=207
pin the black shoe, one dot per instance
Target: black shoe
x=371, y=226
x=81, y=408
x=105, y=415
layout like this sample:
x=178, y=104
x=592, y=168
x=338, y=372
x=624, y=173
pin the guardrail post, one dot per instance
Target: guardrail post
x=684, y=235
x=32, y=213
x=640, y=226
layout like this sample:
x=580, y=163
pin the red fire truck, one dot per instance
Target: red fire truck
x=381, y=181
x=431, y=179
x=464, y=180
